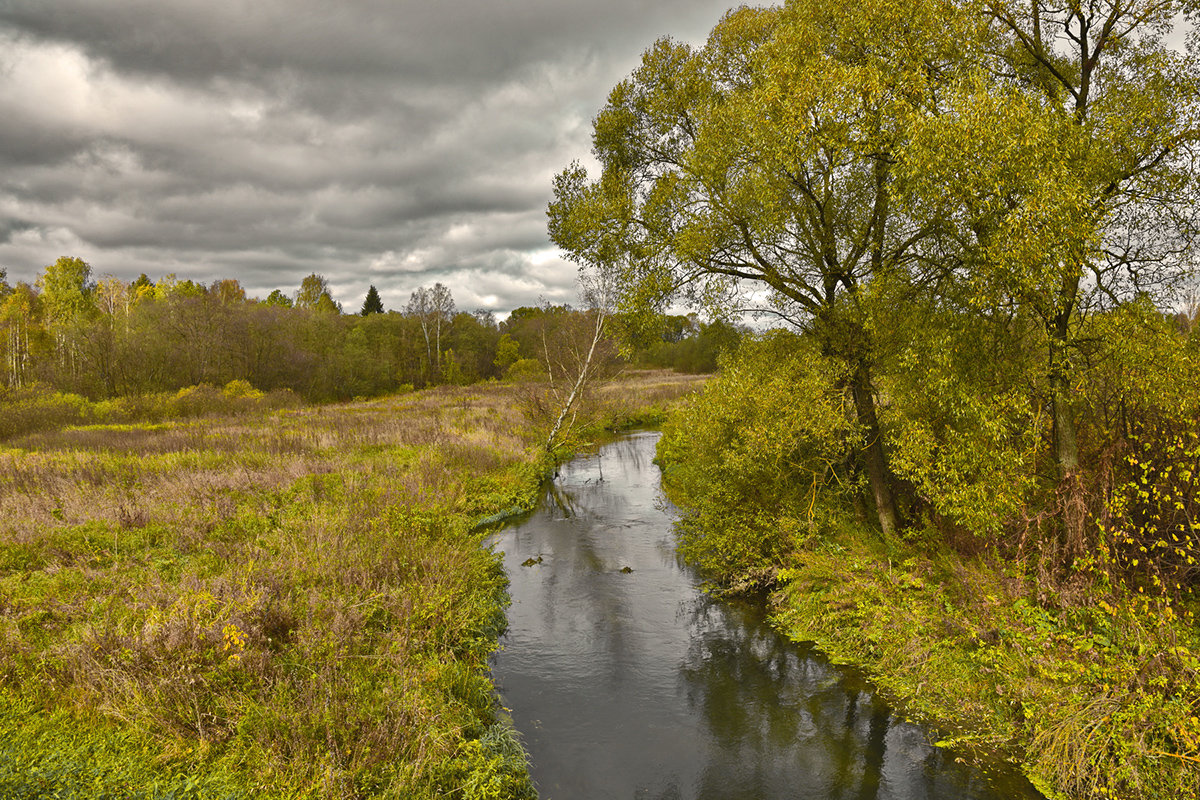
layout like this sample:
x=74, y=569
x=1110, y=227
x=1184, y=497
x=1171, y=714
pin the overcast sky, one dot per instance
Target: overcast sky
x=385, y=142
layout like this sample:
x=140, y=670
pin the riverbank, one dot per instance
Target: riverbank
x=1062, y=637
x=285, y=603
x=1095, y=700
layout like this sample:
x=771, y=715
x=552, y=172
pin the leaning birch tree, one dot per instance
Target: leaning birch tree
x=572, y=373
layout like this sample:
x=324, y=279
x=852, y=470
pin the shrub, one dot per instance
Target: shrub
x=758, y=456
x=962, y=427
x=524, y=370
x=240, y=388
x=37, y=408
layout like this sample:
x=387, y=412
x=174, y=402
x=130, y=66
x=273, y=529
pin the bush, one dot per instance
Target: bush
x=961, y=425
x=37, y=408
x=240, y=388
x=1142, y=400
x=525, y=370
x=759, y=456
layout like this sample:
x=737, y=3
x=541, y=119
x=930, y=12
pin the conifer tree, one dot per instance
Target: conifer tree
x=372, y=304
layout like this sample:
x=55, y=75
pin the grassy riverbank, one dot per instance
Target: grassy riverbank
x=287, y=602
x=1096, y=699
x=1081, y=665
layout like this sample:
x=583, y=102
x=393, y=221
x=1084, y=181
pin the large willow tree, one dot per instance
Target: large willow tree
x=1039, y=159
x=761, y=165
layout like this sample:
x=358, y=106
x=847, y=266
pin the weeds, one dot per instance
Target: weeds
x=1094, y=701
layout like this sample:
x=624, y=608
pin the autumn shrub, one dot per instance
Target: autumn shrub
x=241, y=388
x=198, y=401
x=35, y=408
x=1142, y=402
x=757, y=458
x=1153, y=519
x=524, y=370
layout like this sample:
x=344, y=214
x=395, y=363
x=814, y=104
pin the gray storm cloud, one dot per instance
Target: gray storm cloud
x=373, y=142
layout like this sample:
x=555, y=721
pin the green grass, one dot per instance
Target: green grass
x=289, y=602
x=1099, y=699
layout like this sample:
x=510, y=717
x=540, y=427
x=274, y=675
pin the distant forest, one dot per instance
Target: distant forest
x=70, y=332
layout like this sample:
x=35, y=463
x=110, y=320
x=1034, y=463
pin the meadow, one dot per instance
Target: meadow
x=273, y=599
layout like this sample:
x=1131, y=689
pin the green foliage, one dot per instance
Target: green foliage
x=1153, y=530
x=67, y=290
x=758, y=457
x=1140, y=366
x=507, y=352
x=36, y=408
x=492, y=767
x=240, y=388
x=1095, y=701
x=143, y=339
x=55, y=755
x=1142, y=394
x=312, y=289
x=961, y=424
x=524, y=370
x=279, y=299
x=697, y=353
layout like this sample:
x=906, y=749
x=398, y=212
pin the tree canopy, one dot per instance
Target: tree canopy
x=858, y=170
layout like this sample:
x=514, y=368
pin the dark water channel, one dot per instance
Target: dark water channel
x=635, y=685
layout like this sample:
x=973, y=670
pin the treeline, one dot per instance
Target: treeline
x=108, y=338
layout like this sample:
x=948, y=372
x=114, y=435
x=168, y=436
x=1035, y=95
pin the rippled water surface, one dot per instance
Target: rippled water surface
x=625, y=681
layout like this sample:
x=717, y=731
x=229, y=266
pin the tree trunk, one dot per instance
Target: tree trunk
x=1066, y=448
x=580, y=381
x=878, y=475
x=428, y=351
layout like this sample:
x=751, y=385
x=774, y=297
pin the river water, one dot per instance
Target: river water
x=626, y=681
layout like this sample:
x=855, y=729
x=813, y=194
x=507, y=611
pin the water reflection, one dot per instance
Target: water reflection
x=634, y=684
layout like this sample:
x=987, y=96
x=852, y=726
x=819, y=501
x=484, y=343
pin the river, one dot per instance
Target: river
x=626, y=681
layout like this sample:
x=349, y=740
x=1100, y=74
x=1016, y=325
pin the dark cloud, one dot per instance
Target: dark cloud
x=373, y=141
x=432, y=43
